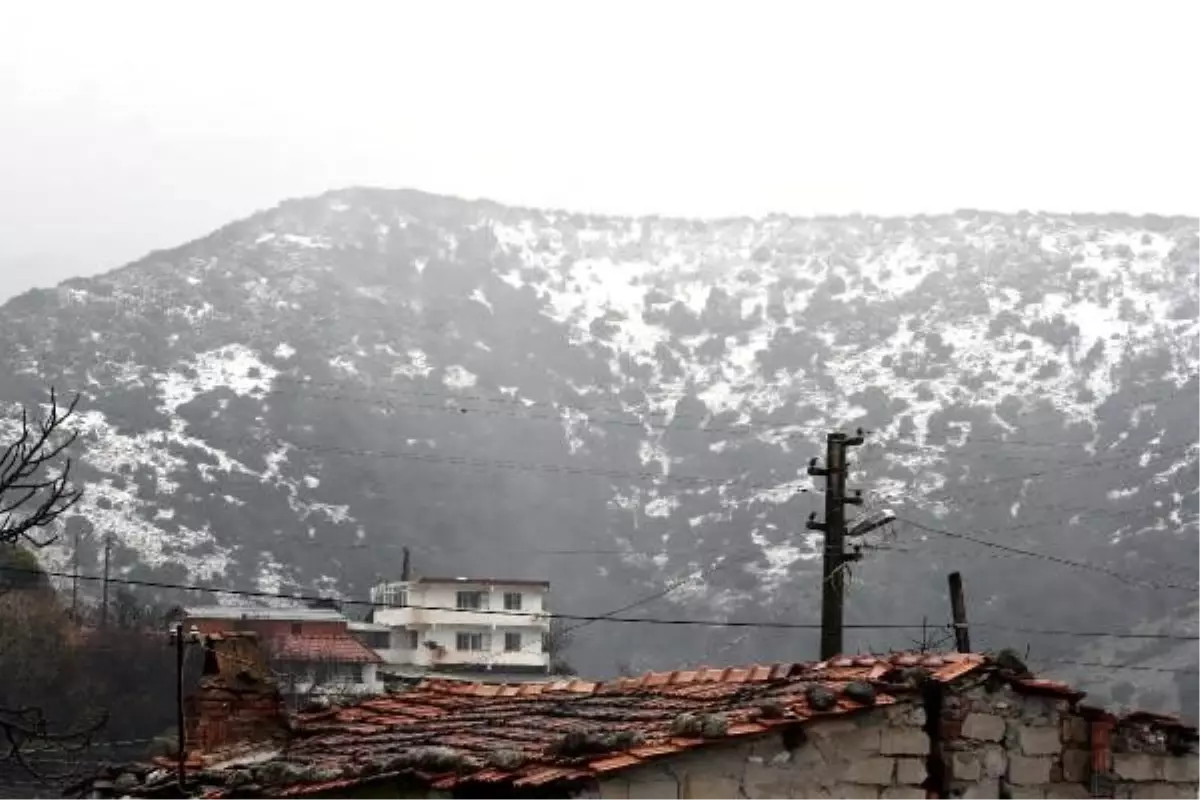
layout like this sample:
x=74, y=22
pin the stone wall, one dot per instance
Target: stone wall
x=1146, y=762
x=993, y=742
x=1003, y=743
x=880, y=753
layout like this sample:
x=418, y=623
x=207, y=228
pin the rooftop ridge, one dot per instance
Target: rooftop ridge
x=948, y=666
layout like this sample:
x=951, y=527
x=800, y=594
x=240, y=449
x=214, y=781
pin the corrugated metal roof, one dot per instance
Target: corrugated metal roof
x=283, y=614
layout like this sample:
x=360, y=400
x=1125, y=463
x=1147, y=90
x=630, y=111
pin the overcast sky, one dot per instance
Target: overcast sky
x=131, y=126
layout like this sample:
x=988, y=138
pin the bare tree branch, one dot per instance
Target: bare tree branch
x=33, y=494
x=35, y=490
x=556, y=644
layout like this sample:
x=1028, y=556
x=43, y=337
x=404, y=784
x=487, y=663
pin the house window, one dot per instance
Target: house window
x=469, y=641
x=512, y=601
x=512, y=641
x=394, y=596
x=351, y=673
x=297, y=629
x=413, y=639
x=470, y=601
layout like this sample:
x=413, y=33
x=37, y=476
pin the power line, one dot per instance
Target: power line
x=1051, y=558
x=483, y=463
x=746, y=429
x=1132, y=636
x=1175, y=637
x=1075, y=511
x=600, y=618
x=641, y=601
x=1096, y=462
x=739, y=429
x=518, y=406
x=1107, y=665
x=610, y=618
x=639, y=424
x=542, y=551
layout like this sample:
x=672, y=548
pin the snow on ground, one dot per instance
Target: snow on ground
x=581, y=287
x=234, y=367
x=417, y=365
x=459, y=378
x=116, y=504
x=630, y=276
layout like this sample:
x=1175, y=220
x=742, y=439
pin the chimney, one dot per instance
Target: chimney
x=237, y=700
x=405, y=567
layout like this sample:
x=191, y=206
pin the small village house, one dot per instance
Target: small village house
x=492, y=628
x=310, y=650
x=893, y=726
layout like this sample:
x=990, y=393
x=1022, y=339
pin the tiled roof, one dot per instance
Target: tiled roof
x=323, y=648
x=446, y=732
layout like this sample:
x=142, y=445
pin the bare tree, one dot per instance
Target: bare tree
x=44, y=722
x=557, y=641
x=33, y=491
x=35, y=645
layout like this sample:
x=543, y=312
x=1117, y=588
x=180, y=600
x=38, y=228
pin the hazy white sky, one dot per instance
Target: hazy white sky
x=130, y=126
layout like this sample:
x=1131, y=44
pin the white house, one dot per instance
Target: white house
x=492, y=626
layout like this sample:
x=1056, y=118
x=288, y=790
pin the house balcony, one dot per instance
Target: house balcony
x=432, y=618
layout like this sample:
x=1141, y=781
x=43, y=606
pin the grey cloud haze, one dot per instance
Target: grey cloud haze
x=131, y=126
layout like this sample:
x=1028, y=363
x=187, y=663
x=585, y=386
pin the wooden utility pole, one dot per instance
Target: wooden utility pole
x=104, y=593
x=833, y=573
x=181, y=753
x=958, y=611
x=75, y=579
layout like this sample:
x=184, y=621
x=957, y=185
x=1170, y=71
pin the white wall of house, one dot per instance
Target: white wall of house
x=430, y=631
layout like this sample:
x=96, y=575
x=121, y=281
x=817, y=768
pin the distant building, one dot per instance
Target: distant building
x=487, y=627
x=311, y=650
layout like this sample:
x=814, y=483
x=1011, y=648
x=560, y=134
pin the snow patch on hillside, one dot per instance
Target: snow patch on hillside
x=234, y=367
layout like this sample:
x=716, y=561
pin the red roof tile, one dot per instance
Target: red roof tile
x=449, y=732
x=344, y=649
x=475, y=721
x=615, y=762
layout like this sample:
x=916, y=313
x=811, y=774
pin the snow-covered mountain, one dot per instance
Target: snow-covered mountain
x=623, y=405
